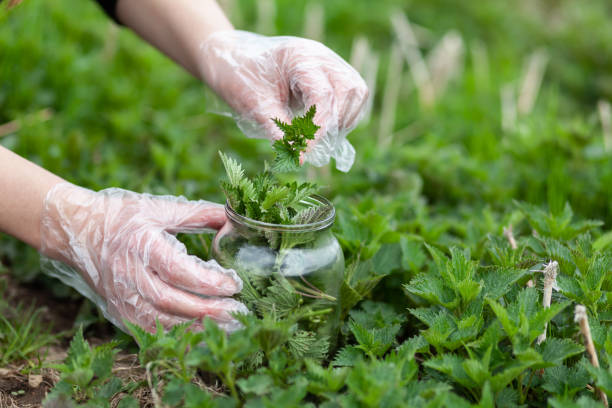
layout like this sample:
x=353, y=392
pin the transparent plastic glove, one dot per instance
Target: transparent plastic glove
x=277, y=77
x=122, y=254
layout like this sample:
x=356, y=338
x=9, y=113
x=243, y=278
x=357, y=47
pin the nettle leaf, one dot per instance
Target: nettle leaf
x=257, y=384
x=233, y=169
x=432, y=289
x=377, y=383
x=498, y=281
x=285, y=160
x=79, y=349
x=410, y=347
x=305, y=344
x=374, y=341
x=507, y=398
x=452, y=366
x=347, y=356
x=555, y=350
x=501, y=380
x=280, y=299
x=502, y=254
x=476, y=370
x=325, y=380
x=570, y=287
x=296, y=134
x=102, y=363
x=310, y=214
x=543, y=316
x=560, y=225
x=510, y=326
x=492, y=335
x=565, y=381
x=582, y=402
x=264, y=198
x=110, y=388
x=413, y=256
x=432, y=393
x=461, y=267
x=273, y=196
x=376, y=315
x=603, y=377
x=440, y=330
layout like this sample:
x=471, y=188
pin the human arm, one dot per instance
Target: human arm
x=118, y=247
x=259, y=77
x=23, y=187
x=177, y=28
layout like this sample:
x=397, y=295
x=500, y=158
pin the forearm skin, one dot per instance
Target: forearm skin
x=23, y=188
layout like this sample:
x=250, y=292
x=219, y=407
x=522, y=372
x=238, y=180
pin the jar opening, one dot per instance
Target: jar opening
x=311, y=201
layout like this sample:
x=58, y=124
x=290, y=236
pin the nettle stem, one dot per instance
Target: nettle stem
x=550, y=278
x=580, y=317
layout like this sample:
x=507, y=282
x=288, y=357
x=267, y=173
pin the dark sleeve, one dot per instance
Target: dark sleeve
x=109, y=6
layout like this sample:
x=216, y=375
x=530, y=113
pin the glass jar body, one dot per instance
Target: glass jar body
x=308, y=257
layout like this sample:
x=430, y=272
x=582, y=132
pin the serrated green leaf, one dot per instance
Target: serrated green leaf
x=257, y=384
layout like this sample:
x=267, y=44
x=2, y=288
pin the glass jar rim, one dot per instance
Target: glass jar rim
x=308, y=227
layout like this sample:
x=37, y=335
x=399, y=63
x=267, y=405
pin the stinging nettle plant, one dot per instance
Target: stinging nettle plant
x=280, y=242
x=263, y=197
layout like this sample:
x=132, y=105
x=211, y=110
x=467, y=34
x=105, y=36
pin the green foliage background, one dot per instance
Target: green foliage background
x=125, y=116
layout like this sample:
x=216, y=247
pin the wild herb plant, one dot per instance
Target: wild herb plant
x=263, y=197
x=86, y=377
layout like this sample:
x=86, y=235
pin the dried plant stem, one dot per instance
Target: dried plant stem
x=32, y=118
x=533, y=73
x=390, y=97
x=418, y=67
x=510, y=236
x=550, y=278
x=508, y=107
x=266, y=13
x=580, y=317
x=314, y=21
x=605, y=116
x=445, y=61
x=364, y=60
x=156, y=400
x=480, y=62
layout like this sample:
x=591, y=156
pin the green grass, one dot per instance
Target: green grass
x=23, y=334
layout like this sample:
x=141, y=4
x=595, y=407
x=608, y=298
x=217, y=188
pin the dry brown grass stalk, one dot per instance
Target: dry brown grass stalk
x=605, y=117
x=580, y=317
x=390, y=97
x=15, y=125
x=410, y=48
x=509, y=234
x=550, y=278
x=533, y=73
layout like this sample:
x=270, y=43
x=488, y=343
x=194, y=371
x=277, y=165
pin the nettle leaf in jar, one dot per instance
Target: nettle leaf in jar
x=264, y=198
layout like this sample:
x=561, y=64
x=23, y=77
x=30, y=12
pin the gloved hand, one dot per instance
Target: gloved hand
x=129, y=262
x=276, y=77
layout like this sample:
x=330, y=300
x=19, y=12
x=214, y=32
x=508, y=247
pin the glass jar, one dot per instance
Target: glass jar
x=307, y=256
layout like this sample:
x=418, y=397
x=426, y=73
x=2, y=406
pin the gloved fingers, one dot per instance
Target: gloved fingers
x=136, y=310
x=260, y=101
x=170, y=300
x=187, y=216
x=351, y=94
x=315, y=89
x=264, y=117
x=167, y=256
